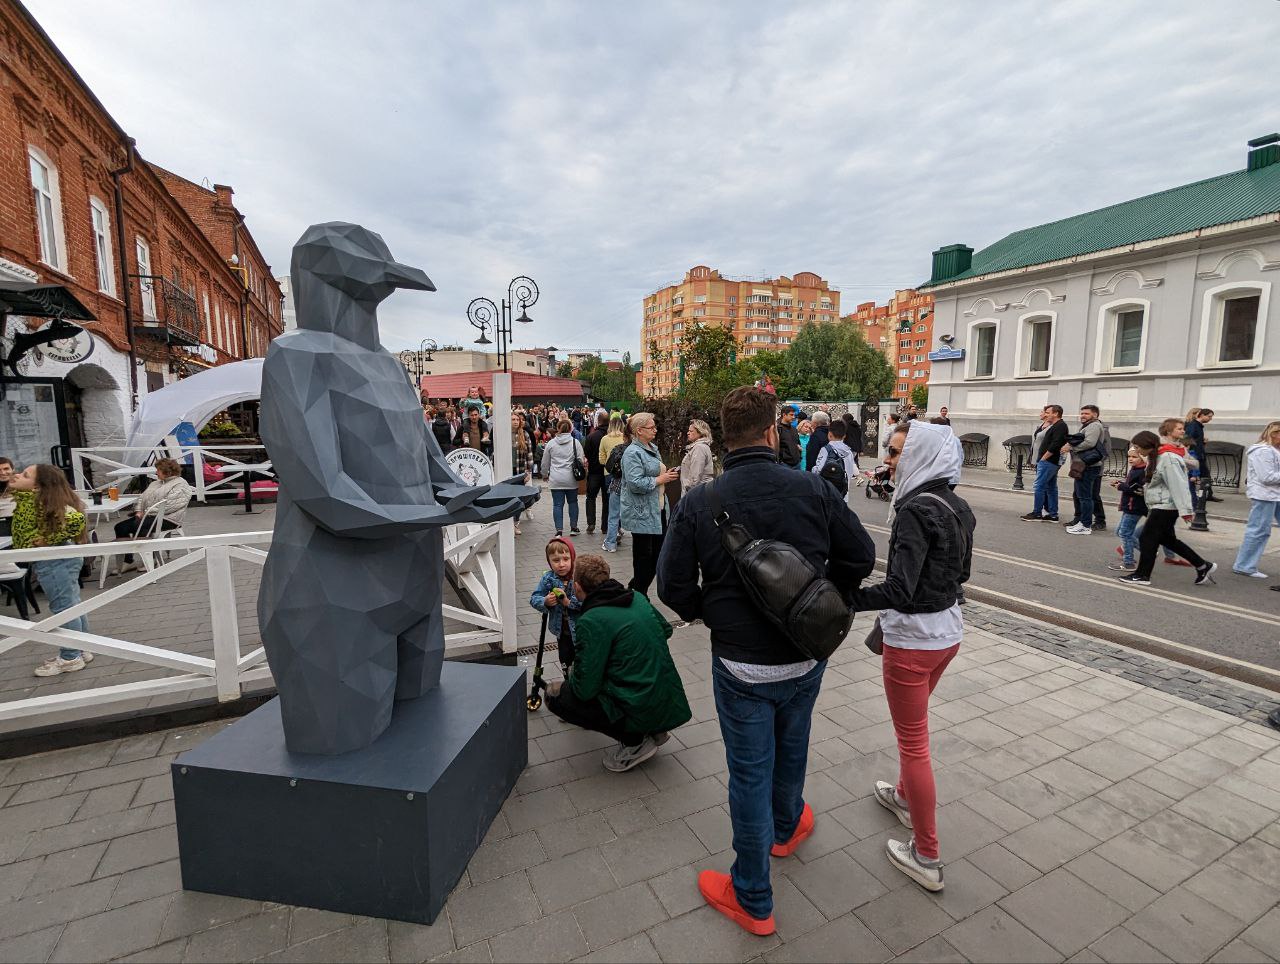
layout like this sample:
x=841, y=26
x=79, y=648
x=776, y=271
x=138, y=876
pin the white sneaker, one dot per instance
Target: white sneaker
x=57, y=666
x=926, y=873
x=1252, y=575
x=620, y=758
x=887, y=797
x=1080, y=530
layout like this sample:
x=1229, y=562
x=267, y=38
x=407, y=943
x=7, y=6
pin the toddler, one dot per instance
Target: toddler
x=555, y=596
x=1133, y=506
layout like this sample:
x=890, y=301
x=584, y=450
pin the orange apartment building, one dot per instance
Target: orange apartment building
x=763, y=316
x=903, y=330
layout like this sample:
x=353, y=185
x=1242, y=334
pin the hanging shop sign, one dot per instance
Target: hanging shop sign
x=472, y=466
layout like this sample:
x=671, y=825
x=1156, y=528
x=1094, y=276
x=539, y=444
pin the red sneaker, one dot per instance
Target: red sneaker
x=1177, y=562
x=717, y=890
x=1119, y=550
x=803, y=829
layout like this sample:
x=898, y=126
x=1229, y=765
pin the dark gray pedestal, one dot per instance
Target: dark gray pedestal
x=385, y=831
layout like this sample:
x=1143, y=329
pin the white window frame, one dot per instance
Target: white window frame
x=1024, y=343
x=56, y=231
x=142, y=253
x=102, y=245
x=1105, y=336
x=971, y=353
x=1211, y=322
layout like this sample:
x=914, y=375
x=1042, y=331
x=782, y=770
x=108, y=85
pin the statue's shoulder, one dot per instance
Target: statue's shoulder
x=301, y=341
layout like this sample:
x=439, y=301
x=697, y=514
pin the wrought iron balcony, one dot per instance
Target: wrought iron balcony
x=165, y=309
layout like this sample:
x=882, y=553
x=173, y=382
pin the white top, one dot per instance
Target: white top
x=922, y=630
x=760, y=673
x=846, y=455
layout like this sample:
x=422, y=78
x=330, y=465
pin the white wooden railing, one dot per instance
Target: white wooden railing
x=121, y=458
x=472, y=552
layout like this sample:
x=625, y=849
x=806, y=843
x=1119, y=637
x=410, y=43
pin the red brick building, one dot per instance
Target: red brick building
x=903, y=330
x=79, y=207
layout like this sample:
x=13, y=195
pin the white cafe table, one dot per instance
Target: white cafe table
x=98, y=512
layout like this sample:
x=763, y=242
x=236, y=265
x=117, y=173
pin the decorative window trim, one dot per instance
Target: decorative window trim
x=1143, y=281
x=973, y=308
x=1244, y=254
x=1025, y=301
x=971, y=355
x=59, y=262
x=1023, y=343
x=1105, y=336
x=1211, y=322
x=103, y=256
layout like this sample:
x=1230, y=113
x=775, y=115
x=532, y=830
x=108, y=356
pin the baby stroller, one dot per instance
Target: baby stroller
x=877, y=482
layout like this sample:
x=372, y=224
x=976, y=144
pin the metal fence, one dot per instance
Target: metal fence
x=975, y=449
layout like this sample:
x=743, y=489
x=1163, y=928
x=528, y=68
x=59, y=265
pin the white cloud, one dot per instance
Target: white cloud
x=604, y=149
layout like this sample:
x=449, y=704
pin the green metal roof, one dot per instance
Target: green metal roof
x=1218, y=200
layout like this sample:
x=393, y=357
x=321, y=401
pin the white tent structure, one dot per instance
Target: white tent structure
x=195, y=399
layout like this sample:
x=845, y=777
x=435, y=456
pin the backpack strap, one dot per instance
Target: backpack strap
x=718, y=515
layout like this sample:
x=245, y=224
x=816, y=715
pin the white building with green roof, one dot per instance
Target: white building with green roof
x=1146, y=308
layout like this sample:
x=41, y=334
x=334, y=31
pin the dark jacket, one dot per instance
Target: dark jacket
x=592, y=447
x=1132, y=499
x=1194, y=441
x=818, y=439
x=443, y=432
x=788, y=445
x=1052, y=439
x=853, y=434
x=624, y=662
x=772, y=501
x=930, y=554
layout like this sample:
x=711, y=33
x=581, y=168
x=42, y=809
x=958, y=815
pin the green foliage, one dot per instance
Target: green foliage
x=834, y=361
x=222, y=429
x=673, y=415
x=565, y=370
x=615, y=388
x=920, y=397
x=709, y=359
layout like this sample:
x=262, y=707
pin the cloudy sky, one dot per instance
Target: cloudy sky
x=605, y=148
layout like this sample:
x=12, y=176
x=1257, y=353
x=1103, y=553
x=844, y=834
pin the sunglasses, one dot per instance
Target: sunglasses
x=893, y=453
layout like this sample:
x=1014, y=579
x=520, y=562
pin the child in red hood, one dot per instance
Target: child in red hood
x=555, y=596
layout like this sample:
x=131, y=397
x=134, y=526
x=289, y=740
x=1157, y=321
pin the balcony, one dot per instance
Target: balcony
x=165, y=310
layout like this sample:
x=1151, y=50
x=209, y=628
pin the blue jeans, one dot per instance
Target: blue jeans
x=59, y=580
x=1127, y=530
x=1046, y=488
x=766, y=743
x=1085, y=485
x=615, y=515
x=1262, y=516
x=558, y=498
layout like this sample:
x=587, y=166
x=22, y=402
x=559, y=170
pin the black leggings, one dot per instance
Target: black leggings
x=590, y=715
x=598, y=484
x=1159, y=530
x=644, y=560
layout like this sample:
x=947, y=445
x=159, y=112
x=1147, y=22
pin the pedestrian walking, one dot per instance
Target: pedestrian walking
x=853, y=437
x=1262, y=486
x=521, y=457
x=699, y=464
x=1133, y=507
x=559, y=457
x=764, y=686
x=1167, y=498
x=1047, y=443
x=617, y=439
x=643, y=479
x=920, y=627
x=597, y=485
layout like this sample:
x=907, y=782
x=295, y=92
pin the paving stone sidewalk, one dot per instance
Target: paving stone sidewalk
x=1083, y=816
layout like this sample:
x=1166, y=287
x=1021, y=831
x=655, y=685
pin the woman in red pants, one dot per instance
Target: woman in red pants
x=930, y=552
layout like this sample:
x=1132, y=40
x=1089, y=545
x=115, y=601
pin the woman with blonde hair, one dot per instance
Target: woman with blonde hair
x=699, y=465
x=47, y=513
x=1262, y=486
x=643, y=479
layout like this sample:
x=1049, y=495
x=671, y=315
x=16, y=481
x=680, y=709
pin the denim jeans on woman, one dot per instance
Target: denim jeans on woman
x=614, y=524
x=59, y=580
x=558, y=498
x=1046, y=487
x=766, y=743
x=1262, y=516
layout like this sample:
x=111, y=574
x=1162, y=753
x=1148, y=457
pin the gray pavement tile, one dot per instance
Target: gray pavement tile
x=1112, y=760
x=1032, y=795
x=572, y=879
x=241, y=940
x=1035, y=749
x=59, y=762
x=1070, y=778
x=192, y=911
x=34, y=946
x=1270, y=834
x=835, y=883
x=1065, y=911
x=982, y=734
x=822, y=793
x=137, y=747
x=1147, y=860
x=1164, y=783
x=863, y=817
x=1268, y=797
x=109, y=799
x=1122, y=887
x=793, y=912
x=65, y=869
x=1265, y=933
x=365, y=941
x=120, y=773
x=1006, y=868
x=471, y=911
x=539, y=776
x=308, y=923
x=703, y=760
x=1122, y=946
x=499, y=828
x=108, y=827
x=999, y=764
x=1259, y=860
x=705, y=935
x=139, y=850
x=1228, y=746
x=1068, y=739
x=1225, y=813
x=649, y=853
x=505, y=856
x=113, y=933
x=957, y=781
x=677, y=889
x=19, y=819
x=567, y=743
x=1049, y=843
x=1193, y=767
x=998, y=811
x=606, y=789
x=665, y=771
x=618, y=915
x=1135, y=799
x=576, y=833
x=696, y=734
x=843, y=939
x=968, y=890
x=536, y=809
x=680, y=801
x=15, y=877
x=44, y=910
x=165, y=953
x=1238, y=952
x=1235, y=893
x=1097, y=818
x=933, y=951
x=554, y=938
x=477, y=953
x=1184, y=926
x=871, y=856
x=713, y=828
x=147, y=882
x=629, y=817
x=637, y=949
x=38, y=790
x=904, y=918
x=1185, y=837
x=991, y=935
x=828, y=835
x=961, y=830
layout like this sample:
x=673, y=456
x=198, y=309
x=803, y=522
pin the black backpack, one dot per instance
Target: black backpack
x=784, y=585
x=833, y=471
x=613, y=464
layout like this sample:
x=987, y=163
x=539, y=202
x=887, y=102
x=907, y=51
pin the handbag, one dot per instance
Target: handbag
x=579, y=470
x=1077, y=467
x=875, y=639
x=784, y=585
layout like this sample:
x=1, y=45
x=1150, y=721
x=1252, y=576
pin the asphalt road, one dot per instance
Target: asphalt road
x=1232, y=627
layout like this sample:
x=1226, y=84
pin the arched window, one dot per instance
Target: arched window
x=1122, y=335
x=1233, y=324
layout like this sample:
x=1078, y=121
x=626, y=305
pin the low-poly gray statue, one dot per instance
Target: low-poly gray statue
x=351, y=591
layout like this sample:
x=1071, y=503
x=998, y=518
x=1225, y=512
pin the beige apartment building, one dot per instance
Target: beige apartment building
x=763, y=315
x=452, y=361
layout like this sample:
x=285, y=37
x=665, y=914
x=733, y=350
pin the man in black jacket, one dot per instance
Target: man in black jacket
x=764, y=687
x=596, y=482
x=788, y=439
x=818, y=438
x=1048, y=442
x=853, y=435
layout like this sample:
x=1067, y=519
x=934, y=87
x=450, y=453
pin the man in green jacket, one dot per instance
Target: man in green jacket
x=623, y=682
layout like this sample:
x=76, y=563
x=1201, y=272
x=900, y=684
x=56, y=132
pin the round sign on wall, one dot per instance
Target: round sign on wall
x=473, y=467
x=69, y=350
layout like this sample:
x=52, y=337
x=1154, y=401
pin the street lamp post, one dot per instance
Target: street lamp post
x=484, y=314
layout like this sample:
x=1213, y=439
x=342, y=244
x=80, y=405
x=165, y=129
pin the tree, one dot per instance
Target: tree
x=771, y=363
x=565, y=370
x=709, y=366
x=834, y=361
x=920, y=397
x=613, y=387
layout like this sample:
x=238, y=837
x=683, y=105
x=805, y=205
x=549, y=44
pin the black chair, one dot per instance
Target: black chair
x=18, y=592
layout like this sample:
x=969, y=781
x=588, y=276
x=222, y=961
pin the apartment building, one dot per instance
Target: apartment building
x=902, y=329
x=763, y=315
